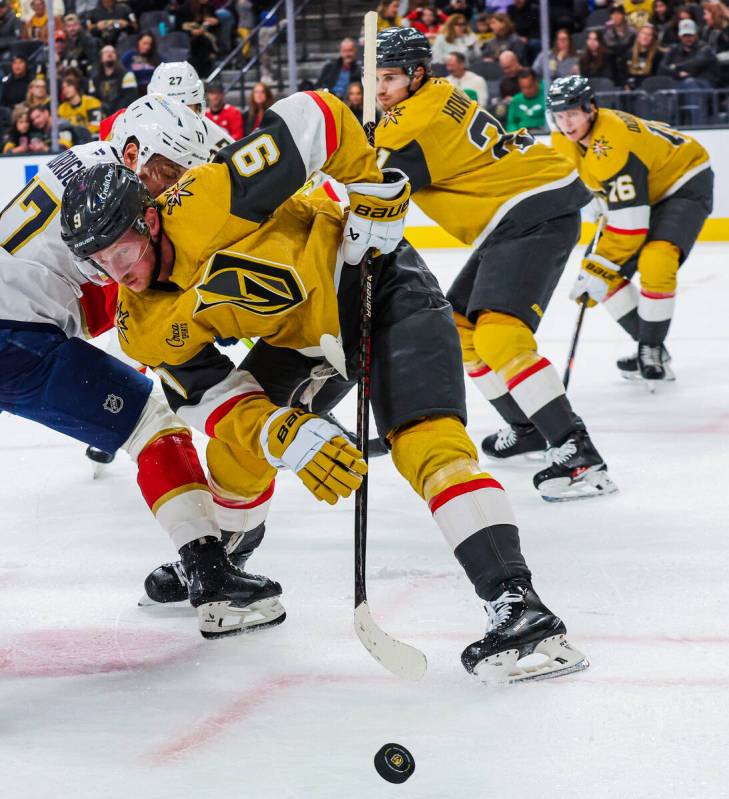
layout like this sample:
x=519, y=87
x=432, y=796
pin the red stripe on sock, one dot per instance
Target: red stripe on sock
x=639, y=231
x=528, y=372
x=657, y=295
x=480, y=372
x=168, y=463
x=462, y=488
x=330, y=126
x=223, y=409
x=253, y=503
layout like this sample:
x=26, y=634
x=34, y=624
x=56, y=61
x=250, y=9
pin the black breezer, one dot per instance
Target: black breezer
x=416, y=353
x=516, y=270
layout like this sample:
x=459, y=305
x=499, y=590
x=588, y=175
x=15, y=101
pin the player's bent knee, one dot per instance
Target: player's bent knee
x=155, y=421
x=658, y=265
x=237, y=472
x=465, y=334
x=430, y=451
x=500, y=338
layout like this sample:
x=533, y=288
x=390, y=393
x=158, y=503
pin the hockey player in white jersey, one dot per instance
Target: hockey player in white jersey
x=50, y=375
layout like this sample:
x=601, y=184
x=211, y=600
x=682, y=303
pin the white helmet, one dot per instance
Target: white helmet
x=178, y=79
x=163, y=127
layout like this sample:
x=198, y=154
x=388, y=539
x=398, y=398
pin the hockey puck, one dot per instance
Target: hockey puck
x=394, y=763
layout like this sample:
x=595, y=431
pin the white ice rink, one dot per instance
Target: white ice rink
x=98, y=699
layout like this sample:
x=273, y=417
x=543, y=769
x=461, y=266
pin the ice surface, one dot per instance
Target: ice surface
x=99, y=699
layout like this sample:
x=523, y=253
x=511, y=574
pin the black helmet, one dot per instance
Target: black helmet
x=571, y=92
x=100, y=205
x=407, y=48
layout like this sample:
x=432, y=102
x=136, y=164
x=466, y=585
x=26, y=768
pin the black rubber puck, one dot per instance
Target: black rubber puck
x=394, y=763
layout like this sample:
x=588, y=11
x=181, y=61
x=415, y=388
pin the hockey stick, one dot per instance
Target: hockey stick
x=394, y=655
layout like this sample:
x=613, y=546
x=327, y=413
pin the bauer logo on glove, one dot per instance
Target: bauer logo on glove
x=376, y=215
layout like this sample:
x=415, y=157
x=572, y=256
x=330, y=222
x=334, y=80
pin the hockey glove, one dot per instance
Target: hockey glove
x=376, y=215
x=329, y=466
x=594, y=280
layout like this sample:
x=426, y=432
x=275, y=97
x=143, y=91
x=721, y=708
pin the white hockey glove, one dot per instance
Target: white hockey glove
x=376, y=215
x=594, y=280
x=329, y=466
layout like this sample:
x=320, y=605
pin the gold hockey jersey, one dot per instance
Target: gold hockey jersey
x=466, y=171
x=251, y=260
x=633, y=164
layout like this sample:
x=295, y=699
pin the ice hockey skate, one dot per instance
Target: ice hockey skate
x=575, y=471
x=524, y=640
x=228, y=601
x=517, y=443
x=629, y=367
x=166, y=588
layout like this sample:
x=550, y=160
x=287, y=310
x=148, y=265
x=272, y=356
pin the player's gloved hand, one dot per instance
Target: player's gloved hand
x=376, y=215
x=595, y=280
x=329, y=466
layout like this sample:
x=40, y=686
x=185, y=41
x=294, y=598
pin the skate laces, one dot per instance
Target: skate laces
x=180, y=572
x=505, y=438
x=560, y=455
x=650, y=354
x=499, y=611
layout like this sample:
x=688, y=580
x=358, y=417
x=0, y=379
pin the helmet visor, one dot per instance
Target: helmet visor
x=119, y=259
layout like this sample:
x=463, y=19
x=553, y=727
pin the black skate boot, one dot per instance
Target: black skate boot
x=576, y=471
x=517, y=442
x=630, y=369
x=99, y=458
x=228, y=601
x=167, y=585
x=519, y=625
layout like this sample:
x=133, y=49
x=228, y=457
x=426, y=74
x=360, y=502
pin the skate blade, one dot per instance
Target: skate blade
x=163, y=609
x=595, y=482
x=552, y=657
x=523, y=459
x=220, y=619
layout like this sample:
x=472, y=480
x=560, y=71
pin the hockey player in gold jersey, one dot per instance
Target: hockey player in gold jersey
x=517, y=204
x=656, y=185
x=230, y=251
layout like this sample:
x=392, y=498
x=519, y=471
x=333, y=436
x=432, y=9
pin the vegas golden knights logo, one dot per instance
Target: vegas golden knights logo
x=261, y=287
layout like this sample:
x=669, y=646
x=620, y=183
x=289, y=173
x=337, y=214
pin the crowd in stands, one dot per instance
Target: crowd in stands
x=492, y=50
x=106, y=53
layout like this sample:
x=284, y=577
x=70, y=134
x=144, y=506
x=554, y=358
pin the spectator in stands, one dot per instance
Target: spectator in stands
x=693, y=63
x=643, y=59
x=111, y=83
x=79, y=109
x=143, y=60
x=482, y=28
x=40, y=129
x=561, y=60
x=618, y=36
x=14, y=86
x=110, y=19
x=465, y=7
x=716, y=27
x=596, y=61
x=526, y=109
x=18, y=138
x=338, y=73
x=387, y=14
x=455, y=36
x=259, y=100
x=199, y=20
x=510, y=69
x=37, y=92
x=524, y=15
x=504, y=38
x=80, y=48
x=354, y=99
x=223, y=114
x=427, y=20
x=9, y=29
x=36, y=27
x=665, y=23
x=638, y=12
x=472, y=84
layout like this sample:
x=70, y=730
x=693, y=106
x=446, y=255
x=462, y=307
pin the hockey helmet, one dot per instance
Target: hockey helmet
x=570, y=92
x=100, y=205
x=180, y=81
x=406, y=48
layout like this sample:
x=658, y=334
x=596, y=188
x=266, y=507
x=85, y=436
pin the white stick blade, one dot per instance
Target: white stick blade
x=401, y=659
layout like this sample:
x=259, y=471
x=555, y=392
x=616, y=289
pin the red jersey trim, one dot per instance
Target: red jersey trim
x=329, y=124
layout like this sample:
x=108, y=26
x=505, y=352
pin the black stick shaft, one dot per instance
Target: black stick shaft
x=575, y=338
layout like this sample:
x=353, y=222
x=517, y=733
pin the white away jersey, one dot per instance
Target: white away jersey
x=39, y=281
